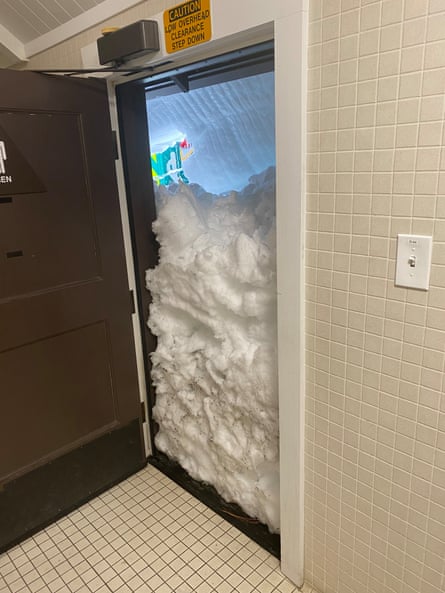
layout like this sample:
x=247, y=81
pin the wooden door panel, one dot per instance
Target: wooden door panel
x=54, y=230
x=48, y=313
x=74, y=371
x=68, y=378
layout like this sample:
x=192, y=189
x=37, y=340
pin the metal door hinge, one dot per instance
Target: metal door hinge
x=115, y=145
x=132, y=303
x=143, y=413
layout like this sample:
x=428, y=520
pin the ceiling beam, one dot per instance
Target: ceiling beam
x=103, y=11
x=12, y=49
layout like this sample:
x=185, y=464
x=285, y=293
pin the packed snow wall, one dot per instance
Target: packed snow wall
x=214, y=289
x=230, y=126
x=214, y=313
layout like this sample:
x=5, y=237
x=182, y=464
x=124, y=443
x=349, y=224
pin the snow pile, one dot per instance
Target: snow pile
x=214, y=312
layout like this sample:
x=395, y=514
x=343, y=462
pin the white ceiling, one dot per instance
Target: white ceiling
x=28, y=27
x=29, y=19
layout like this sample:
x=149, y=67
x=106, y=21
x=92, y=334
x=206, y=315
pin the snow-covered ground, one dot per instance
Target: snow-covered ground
x=214, y=313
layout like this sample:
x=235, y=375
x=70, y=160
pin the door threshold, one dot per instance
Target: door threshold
x=37, y=499
x=231, y=512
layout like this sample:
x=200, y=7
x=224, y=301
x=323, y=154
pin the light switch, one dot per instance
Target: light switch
x=413, y=261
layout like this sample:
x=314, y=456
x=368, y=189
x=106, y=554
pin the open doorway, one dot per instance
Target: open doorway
x=211, y=352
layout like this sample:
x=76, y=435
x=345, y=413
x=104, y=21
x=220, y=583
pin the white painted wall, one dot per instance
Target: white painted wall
x=238, y=24
x=12, y=49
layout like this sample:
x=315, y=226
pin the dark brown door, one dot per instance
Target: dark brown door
x=69, y=404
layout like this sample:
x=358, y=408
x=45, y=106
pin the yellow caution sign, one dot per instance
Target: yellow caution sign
x=187, y=24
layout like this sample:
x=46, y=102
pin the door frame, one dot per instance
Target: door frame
x=141, y=354
x=285, y=22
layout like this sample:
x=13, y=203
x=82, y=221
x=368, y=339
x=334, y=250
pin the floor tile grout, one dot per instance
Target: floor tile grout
x=144, y=535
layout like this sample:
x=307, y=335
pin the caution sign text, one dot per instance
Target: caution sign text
x=187, y=24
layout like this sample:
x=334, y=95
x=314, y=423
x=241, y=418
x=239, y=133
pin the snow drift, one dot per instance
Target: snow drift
x=214, y=313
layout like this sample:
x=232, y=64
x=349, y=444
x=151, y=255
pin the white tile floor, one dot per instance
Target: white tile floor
x=145, y=534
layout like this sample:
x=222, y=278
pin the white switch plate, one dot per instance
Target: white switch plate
x=413, y=261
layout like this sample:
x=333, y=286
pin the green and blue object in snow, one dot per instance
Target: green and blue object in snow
x=169, y=163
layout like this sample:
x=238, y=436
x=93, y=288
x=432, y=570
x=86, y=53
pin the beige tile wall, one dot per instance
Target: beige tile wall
x=375, y=474
x=67, y=54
